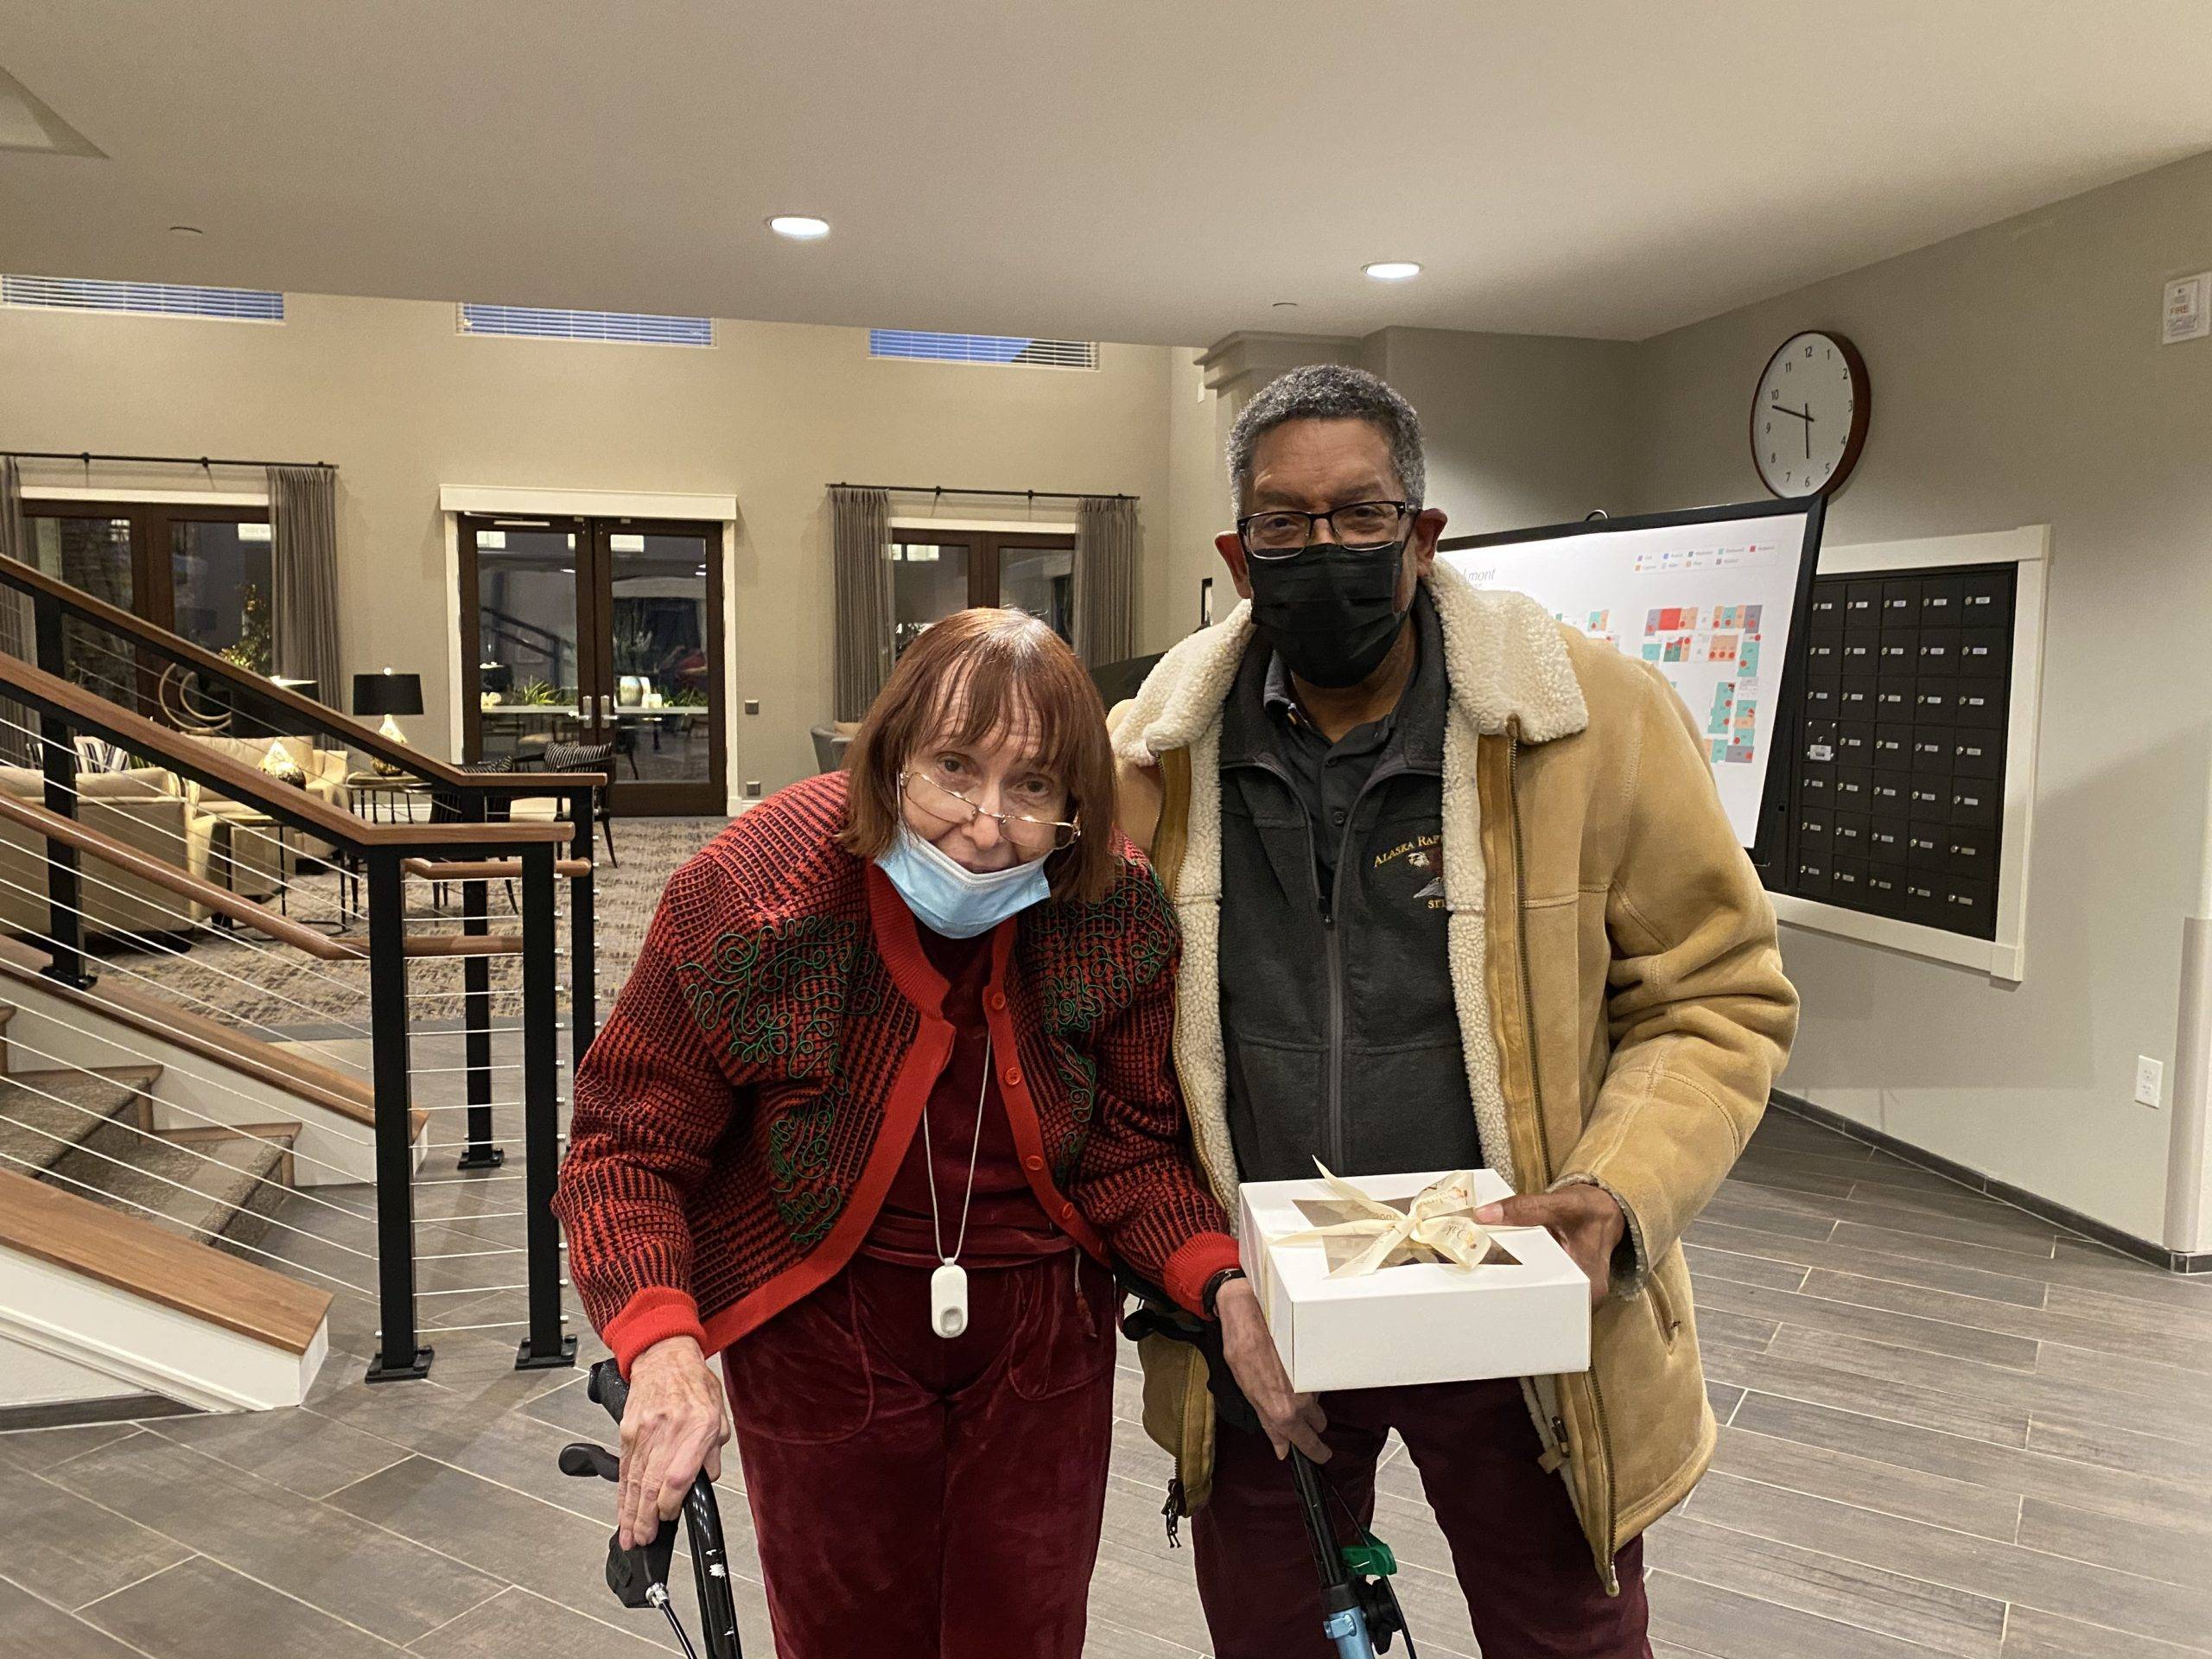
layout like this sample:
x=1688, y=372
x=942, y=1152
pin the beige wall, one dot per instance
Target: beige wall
x=2017, y=379
x=1522, y=430
x=1198, y=494
x=388, y=390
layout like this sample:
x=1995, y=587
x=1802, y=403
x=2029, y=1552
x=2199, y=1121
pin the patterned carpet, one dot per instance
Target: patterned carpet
x=275, y=992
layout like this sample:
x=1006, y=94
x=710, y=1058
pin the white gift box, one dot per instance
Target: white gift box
x=1415, y=1321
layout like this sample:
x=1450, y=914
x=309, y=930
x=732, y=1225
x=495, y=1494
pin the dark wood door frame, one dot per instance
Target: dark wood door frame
x=471, y=689
x=690, y=796
x=594, y=671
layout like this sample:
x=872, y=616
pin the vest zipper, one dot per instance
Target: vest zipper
x=1543, y=1127
x=1333, y=949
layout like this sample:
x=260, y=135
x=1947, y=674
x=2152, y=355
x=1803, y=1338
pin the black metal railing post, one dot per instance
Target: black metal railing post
x=476, y=1011
x=398, y=1356
x=58, y=763
x=476, y=1027
x=583, y=959
x=546, y=1346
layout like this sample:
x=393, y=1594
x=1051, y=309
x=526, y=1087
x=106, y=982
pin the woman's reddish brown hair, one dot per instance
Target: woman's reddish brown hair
x=995, y=670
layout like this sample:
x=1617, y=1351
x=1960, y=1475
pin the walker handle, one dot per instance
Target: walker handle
x=607, y=1388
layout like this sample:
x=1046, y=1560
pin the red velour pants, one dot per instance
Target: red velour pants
x=1523, y=1563
x=920, y=1498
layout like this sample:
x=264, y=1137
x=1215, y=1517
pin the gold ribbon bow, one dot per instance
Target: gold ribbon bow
x=1438, y=1225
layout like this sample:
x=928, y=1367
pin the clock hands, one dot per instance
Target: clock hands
x=1804, y=415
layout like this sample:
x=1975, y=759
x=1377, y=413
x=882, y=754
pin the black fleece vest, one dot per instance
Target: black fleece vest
x=1342, y=1037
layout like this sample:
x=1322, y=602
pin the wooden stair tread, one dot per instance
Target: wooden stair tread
x=44, y=1114
x=133, y=1255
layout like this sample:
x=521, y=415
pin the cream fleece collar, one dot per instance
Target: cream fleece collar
x=1503, y=655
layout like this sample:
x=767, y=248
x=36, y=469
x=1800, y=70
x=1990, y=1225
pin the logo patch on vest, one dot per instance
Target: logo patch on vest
x=1416, y=867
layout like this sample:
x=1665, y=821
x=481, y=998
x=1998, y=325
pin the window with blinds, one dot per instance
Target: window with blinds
x=143, y=299
x=923, y=347
x=536, y=322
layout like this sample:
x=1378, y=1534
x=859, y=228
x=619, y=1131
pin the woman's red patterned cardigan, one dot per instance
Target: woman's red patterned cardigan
x=740, y=1118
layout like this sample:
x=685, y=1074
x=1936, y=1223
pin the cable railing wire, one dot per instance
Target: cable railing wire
x=178, y=1146
x=17, y=1045
x=299, y=965
x=110, y=1200
x=298, y=854
x=152, y=1175
x=114, y=965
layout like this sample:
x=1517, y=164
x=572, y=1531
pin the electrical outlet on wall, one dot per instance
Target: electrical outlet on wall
x=2149, y=1080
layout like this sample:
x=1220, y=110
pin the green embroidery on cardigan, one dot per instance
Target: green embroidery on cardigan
x=779, y=992
x=798, y=1167
x=1079, y=1076
x=1094, y=959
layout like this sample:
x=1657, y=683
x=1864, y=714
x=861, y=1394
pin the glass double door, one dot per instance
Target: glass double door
x=937, y=570
x=598, y=632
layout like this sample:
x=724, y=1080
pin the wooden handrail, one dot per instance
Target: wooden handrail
x=29, y=578
x=198, y=890
x=464, y=944
x=485, y=870
x=206, y=763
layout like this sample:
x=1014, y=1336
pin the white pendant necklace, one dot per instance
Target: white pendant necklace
x=949, y=1284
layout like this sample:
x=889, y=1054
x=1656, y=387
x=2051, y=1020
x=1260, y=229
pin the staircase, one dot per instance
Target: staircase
x=90, y=1132
x=208, y=1119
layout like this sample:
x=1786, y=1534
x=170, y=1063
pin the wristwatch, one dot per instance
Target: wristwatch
x=1213, y=1291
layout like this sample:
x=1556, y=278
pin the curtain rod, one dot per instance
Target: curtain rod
x=87, y=456
x=939, y=489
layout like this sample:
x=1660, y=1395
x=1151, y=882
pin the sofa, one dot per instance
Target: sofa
x=246, y=861
x=146, y=811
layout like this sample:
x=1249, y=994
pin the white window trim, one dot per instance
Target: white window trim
x=2005, y=958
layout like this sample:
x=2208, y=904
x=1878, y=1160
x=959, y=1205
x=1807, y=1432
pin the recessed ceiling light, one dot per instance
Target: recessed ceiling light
x=800, y=228
x=1393, y=270
x=186, y=231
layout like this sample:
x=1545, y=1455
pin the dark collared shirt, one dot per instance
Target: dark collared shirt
x=1327, y=776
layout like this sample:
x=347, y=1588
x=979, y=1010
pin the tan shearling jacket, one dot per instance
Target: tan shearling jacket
x=1621, y=999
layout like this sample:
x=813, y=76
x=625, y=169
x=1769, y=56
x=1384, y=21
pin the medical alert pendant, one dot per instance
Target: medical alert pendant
x=949, y=1300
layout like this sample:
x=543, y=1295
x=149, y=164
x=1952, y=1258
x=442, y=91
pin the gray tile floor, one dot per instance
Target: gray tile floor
x=1951, y=1430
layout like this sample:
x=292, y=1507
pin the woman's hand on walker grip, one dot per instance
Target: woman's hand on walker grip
x=1290, y=1418
x=673, y=1426
x=1585, y=1219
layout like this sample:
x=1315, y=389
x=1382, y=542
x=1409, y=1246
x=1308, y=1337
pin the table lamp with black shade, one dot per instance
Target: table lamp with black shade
x=388, y=693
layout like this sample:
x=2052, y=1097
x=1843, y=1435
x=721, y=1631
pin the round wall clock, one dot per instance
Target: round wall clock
x=1809, y=416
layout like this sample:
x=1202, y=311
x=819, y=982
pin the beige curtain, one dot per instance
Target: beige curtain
x=860, y=539
x=303, y=555
x=1105, y=580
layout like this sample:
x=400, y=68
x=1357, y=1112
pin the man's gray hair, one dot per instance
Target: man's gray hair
x=1328, y=392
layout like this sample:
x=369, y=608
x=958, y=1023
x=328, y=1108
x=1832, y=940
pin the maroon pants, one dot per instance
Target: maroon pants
x=920, y=1498
x=1532, y=1590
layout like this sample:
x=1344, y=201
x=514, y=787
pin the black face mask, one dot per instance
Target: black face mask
x=1331, y=612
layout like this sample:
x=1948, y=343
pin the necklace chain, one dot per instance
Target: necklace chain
x=929, y=1153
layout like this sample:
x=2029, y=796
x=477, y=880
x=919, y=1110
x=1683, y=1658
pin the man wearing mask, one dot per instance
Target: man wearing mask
x=1456, y=889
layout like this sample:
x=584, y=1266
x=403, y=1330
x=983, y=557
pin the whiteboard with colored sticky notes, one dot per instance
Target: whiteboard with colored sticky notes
x=1711, y=600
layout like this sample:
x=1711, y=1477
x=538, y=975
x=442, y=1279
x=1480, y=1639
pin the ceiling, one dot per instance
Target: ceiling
x=1151, y=171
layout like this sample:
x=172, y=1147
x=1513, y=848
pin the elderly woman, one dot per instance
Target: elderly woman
x=887, y=1088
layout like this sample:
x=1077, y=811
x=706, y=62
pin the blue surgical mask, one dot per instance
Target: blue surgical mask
x=948, y=897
